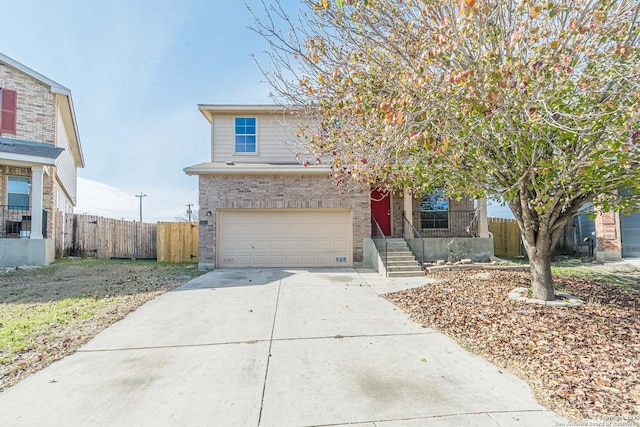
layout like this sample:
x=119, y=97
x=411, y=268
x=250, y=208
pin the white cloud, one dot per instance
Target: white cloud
x=97, y=198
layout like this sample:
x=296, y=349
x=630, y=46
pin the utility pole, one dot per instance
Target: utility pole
x=188, y=205
x=141, y=196
x=139, y=239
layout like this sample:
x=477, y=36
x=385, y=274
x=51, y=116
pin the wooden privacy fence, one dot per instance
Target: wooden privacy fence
x=177, y=241
x=105, y=238
x=506, y=237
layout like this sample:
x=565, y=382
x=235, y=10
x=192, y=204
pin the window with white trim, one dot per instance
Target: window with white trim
x=18, y=191
x=245, y=135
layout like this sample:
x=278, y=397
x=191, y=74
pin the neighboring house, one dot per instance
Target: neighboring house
x=617, y=236
x=40, y=152
x=259, y=207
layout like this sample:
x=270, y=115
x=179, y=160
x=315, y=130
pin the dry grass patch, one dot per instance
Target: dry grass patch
x=582, y=362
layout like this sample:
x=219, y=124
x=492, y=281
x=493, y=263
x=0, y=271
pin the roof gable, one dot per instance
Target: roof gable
x=65, y=103
x=209, y=110
x=55, y=86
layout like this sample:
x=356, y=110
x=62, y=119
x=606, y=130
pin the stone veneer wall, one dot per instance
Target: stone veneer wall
x=36, y=122
x=277, y=192
x=608, y=237
x=36, y=113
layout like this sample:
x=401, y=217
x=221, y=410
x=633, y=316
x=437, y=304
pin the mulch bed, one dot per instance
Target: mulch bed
x=582, y=362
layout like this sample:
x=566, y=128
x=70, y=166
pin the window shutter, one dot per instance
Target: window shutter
x=8, y=110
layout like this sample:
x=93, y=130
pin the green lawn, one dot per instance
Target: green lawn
x=24, y=325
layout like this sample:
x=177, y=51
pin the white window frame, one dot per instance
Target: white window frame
x=242, y=153
x=28, y=178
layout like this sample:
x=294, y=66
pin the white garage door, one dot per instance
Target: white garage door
x=284, y=238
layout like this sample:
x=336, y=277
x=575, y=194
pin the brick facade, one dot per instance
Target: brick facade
x=35, y=122
x=608, y=240
x=296, y=191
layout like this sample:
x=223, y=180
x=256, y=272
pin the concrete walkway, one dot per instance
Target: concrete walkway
x=273, y=347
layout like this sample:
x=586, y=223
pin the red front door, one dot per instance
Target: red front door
x=381, y=209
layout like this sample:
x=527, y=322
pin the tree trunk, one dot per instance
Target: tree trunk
x=540, y=262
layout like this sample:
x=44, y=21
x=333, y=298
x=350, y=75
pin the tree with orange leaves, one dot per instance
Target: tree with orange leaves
x=531, y=102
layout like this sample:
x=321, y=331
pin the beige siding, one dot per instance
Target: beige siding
x=276, y=142
x=65, y=166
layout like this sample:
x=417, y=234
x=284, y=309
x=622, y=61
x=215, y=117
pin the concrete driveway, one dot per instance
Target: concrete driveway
x=273, y=347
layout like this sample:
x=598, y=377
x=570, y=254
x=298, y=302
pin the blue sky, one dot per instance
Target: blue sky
x=137, y=70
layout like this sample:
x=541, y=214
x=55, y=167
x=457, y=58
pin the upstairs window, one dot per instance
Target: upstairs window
x=434, y=210
x=245, y=131
x=18, y=190
x=8, y=107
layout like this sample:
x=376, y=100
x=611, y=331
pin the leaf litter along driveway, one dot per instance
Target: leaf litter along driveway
x=49, y=312
x=582, y=362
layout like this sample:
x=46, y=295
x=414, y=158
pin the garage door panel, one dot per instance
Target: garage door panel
x=273, y=260
x=341, y=246
x=632, y=234
x=284, y=238
x=310, y=259
x=276, y=244
x=329, y=259
x=243, y=245
x=276, y=230
x=234, y=230
x=293, y=244
x=630, y=227
x=295, y=260
x=241, y=260
x=324, y=229
x=261, y=232
x=309, y=244
x=326, y=245
x=260, y=244
x=344, y=229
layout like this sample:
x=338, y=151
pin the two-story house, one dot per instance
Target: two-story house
x=260, y=207
x=40, y=152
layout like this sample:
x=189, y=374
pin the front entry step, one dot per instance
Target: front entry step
x=399, y=260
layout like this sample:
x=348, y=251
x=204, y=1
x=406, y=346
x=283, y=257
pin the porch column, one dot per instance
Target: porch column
x=483, y=224
x=36, y=202
x=408, y=213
